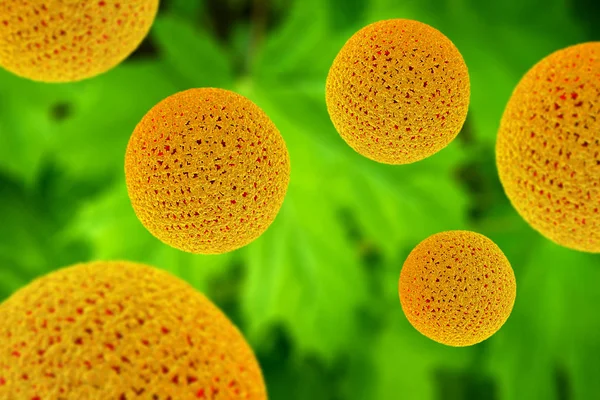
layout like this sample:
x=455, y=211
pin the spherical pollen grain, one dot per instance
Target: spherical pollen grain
x=119, y=330
x=457, y=288
x=548, y=147
x=398, y=91
x=70, y=40
x=207, y=171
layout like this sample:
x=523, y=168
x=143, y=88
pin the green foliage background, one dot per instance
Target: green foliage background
x=316, y=295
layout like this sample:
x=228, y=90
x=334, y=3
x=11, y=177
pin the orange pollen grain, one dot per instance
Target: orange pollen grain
x=457, y=288
x=207, y=171
x=398, y=91
x=548, y=147
x=189, y=345
x=68, y=40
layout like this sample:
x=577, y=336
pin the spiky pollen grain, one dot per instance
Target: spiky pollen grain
x=457, y=288
x=398, y=91
x=121, y=331
x=548, y=147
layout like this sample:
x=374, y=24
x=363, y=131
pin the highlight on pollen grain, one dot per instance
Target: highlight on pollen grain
x=457, y=288
x=398, y=91
x=120, y=330
x=548, y=147
x=207, y=171
x=70, y=40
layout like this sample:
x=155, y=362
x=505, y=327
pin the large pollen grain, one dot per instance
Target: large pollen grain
x=457, y=288
x=118, y=331
x=548, y=147
x=70, y=40
x=207, y=171
x=398, y=91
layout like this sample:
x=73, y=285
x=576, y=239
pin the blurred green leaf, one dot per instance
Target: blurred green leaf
x=294, y=54
x=186, y=8
x=499, y=58
x=91, y=141
x=192, y=54
x=111, y=216
x=407, y=361
x=387, y=9
x=32, y=238
x=303, y=273
x=10, y=280
x=346, y=14
x=26, y=124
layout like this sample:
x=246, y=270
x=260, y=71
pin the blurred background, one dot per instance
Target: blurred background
x=316, y=295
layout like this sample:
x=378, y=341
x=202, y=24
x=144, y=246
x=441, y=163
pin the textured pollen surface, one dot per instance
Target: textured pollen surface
x=457, y=288
x=70, y=40
x=398, y=91
x=121, y=331
x=548, y=148
x=207, y=171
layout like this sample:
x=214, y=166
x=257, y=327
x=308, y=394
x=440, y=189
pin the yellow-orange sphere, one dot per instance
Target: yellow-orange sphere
x=548, y=147
x=457, y=288
x=398, y=91
x=70, y=40
x=119, y=330
x=206, y=171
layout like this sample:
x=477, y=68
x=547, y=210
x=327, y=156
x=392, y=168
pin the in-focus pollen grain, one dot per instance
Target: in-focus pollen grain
x=398, y=91
x=207, y=171
x=457, y=288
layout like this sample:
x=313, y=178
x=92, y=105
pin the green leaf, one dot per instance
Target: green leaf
x=304, y=271
x=388, y=9
x=26, y=125
x=407, y=362
x=294, y=54
x=91, y=141
x=32, y=240
x=193, y=56
x=186, y=8
x=295, y=277
x=111, y=216
x=10, y=280
x=498, y=59
x=346, y=14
